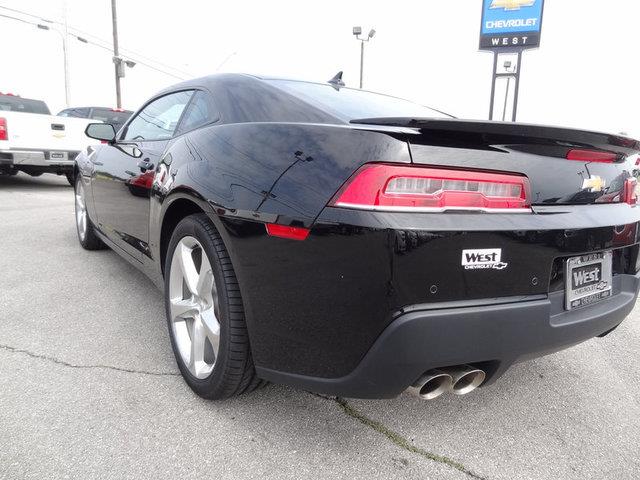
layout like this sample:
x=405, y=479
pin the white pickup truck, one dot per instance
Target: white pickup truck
x=35, y=142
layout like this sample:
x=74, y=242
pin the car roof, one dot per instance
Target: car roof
x=241, y=97
x=222, y=79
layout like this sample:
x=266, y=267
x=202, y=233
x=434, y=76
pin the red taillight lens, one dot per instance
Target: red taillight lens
x=592, y=156
x=4, y=134
x=629, y=193
x=283, y=231
x=400, y=188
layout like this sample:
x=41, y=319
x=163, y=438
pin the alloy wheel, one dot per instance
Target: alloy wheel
x=81, y=211
x=193, y=305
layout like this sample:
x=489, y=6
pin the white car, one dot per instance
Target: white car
x=35, y=142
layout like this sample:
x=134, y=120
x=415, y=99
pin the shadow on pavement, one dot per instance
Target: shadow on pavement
x=22, y=181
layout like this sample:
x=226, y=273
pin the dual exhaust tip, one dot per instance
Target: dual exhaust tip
x=458, y=380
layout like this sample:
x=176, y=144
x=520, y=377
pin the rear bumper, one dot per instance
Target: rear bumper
x=37, y=158
x=492, y=333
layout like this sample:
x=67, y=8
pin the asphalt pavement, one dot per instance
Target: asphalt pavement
x=89, y=389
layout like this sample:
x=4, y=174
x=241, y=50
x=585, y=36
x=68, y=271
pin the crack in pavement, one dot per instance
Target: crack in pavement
x=346, y=407
x=88, y=367
x=396, y=438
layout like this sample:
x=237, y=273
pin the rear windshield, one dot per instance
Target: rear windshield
x=351, y=104
x=9, y=103
x=109, y=116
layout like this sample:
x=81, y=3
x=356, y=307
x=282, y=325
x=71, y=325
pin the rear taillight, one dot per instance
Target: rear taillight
x=421, y=189
x=629, y=193
x=592, y=156
x=4, y=134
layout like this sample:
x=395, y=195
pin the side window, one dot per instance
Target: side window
x=159, y=119
x=198, y=113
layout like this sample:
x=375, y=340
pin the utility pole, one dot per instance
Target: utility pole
x=116, y=54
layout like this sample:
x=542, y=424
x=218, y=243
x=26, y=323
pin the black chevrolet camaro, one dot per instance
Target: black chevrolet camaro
x=358, y=244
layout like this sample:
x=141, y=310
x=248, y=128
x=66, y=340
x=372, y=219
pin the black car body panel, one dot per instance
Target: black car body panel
x=318, y=310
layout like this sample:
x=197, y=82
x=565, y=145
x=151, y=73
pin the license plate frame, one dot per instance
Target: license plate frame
x=588, y=279
x=56, y=156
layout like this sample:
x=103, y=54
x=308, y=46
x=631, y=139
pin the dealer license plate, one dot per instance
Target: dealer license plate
x=588, y=279
x=53, y=156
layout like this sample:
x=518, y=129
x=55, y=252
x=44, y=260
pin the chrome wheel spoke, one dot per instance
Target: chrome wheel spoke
x=182, y=308
x=197, y=364
x=81, y=211
x=204, y=285
x=212, y=328
x=188, y=267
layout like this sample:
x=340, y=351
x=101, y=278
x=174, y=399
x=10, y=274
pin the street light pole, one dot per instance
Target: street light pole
x=63, y=38
x=116, y=54
x=357, y=31
x=361, y=62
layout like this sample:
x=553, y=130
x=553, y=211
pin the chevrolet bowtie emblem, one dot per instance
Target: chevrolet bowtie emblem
x=594, y=184
x=511, y=4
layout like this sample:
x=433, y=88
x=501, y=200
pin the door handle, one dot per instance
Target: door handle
x=145, y=165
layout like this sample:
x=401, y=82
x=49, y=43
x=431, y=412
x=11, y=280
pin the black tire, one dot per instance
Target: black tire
x=233, y=370
x=71, y=179
x=89, y=240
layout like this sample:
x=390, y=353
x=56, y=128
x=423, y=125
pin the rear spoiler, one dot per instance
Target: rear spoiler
x=508, y=132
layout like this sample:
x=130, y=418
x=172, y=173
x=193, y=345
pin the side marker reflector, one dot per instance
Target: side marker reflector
x=283, y=231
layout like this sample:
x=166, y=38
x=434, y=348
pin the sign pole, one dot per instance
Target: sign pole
x=517, y=87
x=510, y=27
x=493, y=84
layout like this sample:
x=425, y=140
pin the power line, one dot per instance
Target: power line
x=27, y=14
x=130, y=55
x=127, y=57
x=108, y=49
x=18, y=19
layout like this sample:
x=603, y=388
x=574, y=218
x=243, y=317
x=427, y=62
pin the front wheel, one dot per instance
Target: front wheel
x=205, y=313
x=86, y=232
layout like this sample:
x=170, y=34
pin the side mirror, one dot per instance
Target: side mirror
x=101, y=131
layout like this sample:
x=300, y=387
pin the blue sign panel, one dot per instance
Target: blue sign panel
x=513, y=24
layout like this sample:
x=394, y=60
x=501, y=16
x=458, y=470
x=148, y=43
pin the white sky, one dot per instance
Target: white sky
x=586, y=73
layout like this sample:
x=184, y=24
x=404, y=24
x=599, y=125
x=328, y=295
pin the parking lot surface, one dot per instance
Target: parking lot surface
x=89, y=389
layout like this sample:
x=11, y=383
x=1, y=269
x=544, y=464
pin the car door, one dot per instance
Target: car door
x=124, y=172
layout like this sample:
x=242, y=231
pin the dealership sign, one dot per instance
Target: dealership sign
x=511, y=24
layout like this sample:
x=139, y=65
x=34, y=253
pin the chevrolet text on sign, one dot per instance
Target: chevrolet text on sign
x=514, y=24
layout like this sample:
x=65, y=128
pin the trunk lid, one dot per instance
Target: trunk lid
x=539, y=152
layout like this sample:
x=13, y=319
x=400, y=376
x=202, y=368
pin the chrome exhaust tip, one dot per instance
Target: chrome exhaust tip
x=431, y=385
x=465, y=378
